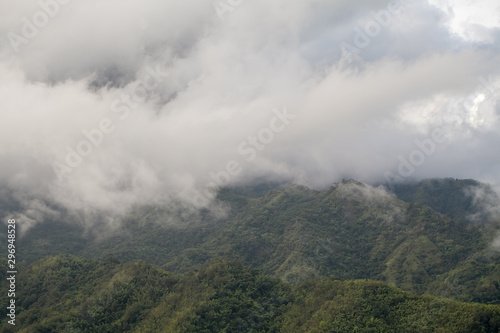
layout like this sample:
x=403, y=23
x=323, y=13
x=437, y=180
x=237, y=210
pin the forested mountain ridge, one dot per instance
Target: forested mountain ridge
x=459, y=199
x=69, y=294
x=349, y=231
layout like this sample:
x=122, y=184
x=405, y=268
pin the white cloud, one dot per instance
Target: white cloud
x=217, y=84
x=473, y=21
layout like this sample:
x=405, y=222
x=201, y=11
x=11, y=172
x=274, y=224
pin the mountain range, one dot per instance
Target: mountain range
x=435, y=237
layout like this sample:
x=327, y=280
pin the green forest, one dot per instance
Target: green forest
x=68, y=294
x=349, y=258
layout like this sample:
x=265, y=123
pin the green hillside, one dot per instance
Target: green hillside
x=68, y=294
x=349, y=231
x=452, y=197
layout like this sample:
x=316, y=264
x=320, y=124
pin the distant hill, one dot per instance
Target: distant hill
x=459, y=199
x=68, y=294
x=420, y=240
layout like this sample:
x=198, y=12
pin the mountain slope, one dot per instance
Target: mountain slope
x=349, y=231
x=68, y=294
x=459, y=199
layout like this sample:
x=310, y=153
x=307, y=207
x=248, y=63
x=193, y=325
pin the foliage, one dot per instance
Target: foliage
x=349, y=231
x=68, y=294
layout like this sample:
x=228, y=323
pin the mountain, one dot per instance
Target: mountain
x=418, y=238
x=69, y=294
x=459, y=199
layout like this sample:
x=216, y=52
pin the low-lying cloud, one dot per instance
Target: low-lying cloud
x=113, y=103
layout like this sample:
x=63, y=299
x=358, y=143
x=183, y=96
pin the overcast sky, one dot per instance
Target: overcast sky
x=109, y=103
